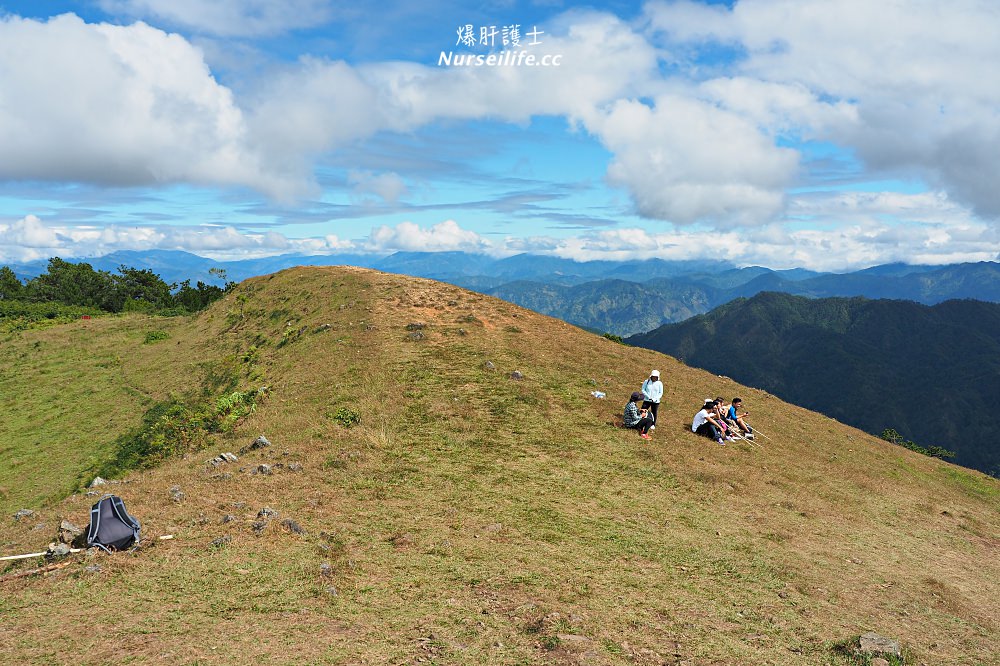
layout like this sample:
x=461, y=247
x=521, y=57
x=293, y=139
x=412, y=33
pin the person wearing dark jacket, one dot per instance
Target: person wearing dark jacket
x=635, y=418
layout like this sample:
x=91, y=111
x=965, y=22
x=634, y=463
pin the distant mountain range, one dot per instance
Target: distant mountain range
x=930, y=372
x=621, y=297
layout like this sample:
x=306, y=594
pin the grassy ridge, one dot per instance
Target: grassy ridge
x=473, y=518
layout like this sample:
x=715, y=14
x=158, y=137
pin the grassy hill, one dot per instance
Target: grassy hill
x=468, y=517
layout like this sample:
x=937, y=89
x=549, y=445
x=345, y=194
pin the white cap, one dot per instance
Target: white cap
x=654, y=373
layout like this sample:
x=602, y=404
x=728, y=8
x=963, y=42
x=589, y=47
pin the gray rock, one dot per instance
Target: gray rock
x=98, y=481
x=416, y=326
x=69, y=533
x=229, y=457
x=93, y=568
x=267, y=512
x=331, y=590
x=177, y=494
x=58, y=550
x=259, y=443
x=292, y=526
x=23, y=513
x=489, y=366
x=265, y=469
x=325, y=570
x=516, y=375
x=574, y=639
x=259, y=526
x=294, y=467
x=416, y=336
x=228, y=518
x=872, y=643
x=221, y=541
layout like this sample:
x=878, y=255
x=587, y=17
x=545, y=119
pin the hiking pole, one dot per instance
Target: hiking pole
x=165, y=537
x=758, y=432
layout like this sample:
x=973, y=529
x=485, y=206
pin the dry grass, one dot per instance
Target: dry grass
x=472, y=518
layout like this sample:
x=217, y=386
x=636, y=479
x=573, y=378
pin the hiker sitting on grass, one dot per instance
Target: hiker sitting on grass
x=719, y=416
x=705, y=423
x=635, y=418
x=735, y=416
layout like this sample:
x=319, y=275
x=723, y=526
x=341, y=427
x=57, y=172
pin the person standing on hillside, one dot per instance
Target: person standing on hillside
x=635, y=418
x=652, y=393
x=704, y=423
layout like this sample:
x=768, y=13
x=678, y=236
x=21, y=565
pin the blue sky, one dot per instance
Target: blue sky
x=827, y=134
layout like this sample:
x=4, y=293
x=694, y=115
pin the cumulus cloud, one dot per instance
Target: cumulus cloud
x=227, y=18
x=408, y=236
x=686, y=160
x=918, y=74
x=317, y=105
x=119, y=105
x=30, y=239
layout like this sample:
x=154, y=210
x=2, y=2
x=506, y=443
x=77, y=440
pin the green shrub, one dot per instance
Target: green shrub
x=155, y=336
x=174, y=427
x=890, y=435
x=347, y=417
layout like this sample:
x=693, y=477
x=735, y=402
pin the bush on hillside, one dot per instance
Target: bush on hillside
x=890, y=435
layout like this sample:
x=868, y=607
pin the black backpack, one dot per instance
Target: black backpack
x=111, y=526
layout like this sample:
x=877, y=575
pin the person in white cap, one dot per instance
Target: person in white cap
x=652, y=393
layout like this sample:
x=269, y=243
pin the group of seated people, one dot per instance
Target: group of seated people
x=716, y=420
x=722, y=422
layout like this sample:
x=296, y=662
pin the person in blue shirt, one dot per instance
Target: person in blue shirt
x=736, y=417
x=636, y=418
x=652, y=393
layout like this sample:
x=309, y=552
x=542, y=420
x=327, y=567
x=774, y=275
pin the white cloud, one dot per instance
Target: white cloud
x=227, y=18
x=920, y=75
x=686, y=161
x=408, y=236
x=388, y=187
x=118, y=105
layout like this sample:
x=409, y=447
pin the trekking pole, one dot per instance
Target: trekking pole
x=165, y=537
x=758, y=432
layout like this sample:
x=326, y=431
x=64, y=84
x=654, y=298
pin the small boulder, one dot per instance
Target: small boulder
x=177, y=494
x=292, y=526
x=221, y=541
x=23, y=513
x=98, y=481
x=259, y=443
x=267, y=512
x=294, y=467
x=265, y=469
x=57, y=550
x=872, y=643
x=415, y=326
x=516, y=375
x=69, y=533
x=489, y=366
x=415, y=336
